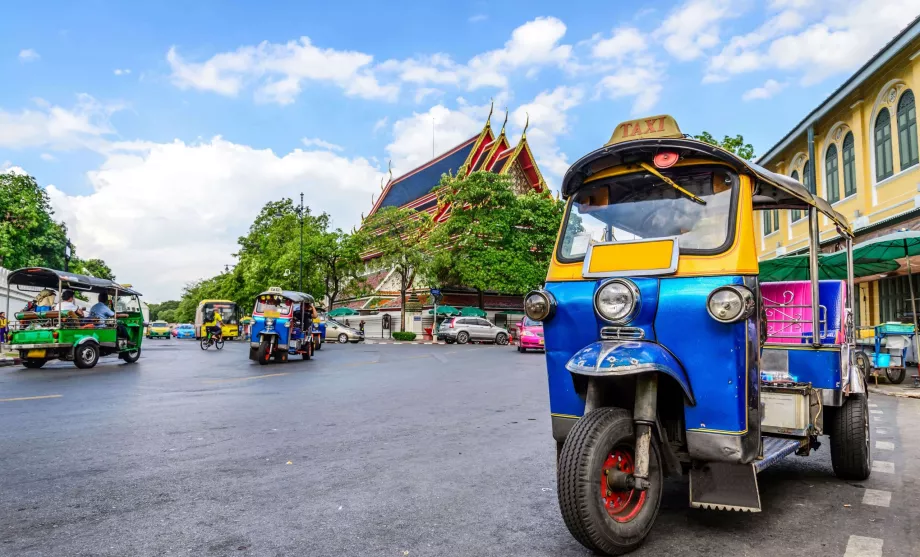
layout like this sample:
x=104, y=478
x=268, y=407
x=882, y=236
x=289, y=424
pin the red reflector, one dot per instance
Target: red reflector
x=665, y=159
x=54, y=335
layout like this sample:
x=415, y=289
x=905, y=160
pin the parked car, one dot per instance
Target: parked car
x=336, y=332
x=530, y=335
x=158, y=329
x=471, y=329
x=184, y=330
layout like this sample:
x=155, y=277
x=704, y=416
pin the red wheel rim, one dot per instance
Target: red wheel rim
x=622, y=506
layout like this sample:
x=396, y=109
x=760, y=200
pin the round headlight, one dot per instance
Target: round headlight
x=269, y=322
x=728, y=304
x=539, y=305
x=617, y=300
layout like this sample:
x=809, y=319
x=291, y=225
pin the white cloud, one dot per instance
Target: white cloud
x=769, y=89
x=693, y=27
x=48, y=157
x=478, y=18
x=324, y=145
x=28, y=55
x=279, y=71
x=624, y=41
x=424, y=92
x=548, y=113
x=642, y=81
x=436, y=130
x=381, y=123
x=838, y=42
x=122, y=71
x=56, y=127
x=164, y=213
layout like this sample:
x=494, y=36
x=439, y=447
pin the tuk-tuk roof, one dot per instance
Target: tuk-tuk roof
x=43, y=277
x=772, y=191
x=291, y=295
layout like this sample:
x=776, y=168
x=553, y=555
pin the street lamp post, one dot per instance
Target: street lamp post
x=67, y=251
x=301, y=241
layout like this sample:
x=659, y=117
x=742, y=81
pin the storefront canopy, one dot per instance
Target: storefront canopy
x=446, y=311
x=833, y=266
x=470, y=311
x=342, y=312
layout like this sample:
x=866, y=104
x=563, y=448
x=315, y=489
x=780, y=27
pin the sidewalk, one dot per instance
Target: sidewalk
x=904, y=390
x=9, y=359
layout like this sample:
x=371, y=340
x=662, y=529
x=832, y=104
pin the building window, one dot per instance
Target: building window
x=832, y=179
x=796, y=214
x=907, y=130
x=849, y=166
x=770, y=221
x=883, y=163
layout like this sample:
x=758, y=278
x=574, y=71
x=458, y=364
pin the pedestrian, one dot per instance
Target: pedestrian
x=361, y=326
x=3, y=326
x=347, y=324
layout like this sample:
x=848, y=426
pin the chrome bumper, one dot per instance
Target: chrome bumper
x=37, y=346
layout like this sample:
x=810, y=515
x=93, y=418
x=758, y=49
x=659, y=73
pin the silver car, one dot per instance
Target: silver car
x=336, y=332
x=466, y=329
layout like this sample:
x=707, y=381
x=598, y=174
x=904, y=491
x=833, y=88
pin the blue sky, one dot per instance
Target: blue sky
x=161, y=128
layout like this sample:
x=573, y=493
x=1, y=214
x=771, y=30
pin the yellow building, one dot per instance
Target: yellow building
x=858, y=150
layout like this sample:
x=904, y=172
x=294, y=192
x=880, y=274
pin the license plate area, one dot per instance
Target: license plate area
x=35, y=354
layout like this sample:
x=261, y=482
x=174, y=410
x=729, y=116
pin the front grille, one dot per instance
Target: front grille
x=622, y=333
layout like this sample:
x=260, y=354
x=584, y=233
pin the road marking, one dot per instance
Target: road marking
x=860, y=546
x=884, y=445
x=876, y=419
x=877, y=498
x=876, y=412
x=245, y=378
x=883, y=466
x=873, y=405
x=29, y=398
x=441, y=358
x=881, y=431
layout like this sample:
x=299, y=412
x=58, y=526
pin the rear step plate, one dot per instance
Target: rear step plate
x=724, y=486
x=774, y=450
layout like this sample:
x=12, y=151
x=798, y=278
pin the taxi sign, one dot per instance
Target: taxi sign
x=274, y=289
x=652, y=127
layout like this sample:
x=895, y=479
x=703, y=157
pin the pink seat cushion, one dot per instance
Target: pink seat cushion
x=788, y=309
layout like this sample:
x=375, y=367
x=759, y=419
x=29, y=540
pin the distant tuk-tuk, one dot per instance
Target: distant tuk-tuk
x=282, y=326
x=666, y=353
x=47, y=333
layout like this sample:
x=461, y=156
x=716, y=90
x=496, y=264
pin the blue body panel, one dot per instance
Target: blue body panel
x=821, y=368
x=258, y=327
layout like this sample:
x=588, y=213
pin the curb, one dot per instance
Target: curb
x=431, y=343
x=4, y=362
x=899, y=394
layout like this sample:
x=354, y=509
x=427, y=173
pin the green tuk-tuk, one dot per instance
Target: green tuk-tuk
x=46, y=333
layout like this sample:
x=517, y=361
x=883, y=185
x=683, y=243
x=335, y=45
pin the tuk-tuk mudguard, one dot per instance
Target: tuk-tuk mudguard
x=609, y=358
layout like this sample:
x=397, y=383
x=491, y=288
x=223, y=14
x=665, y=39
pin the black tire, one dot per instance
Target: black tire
x=219, y=344
x=204, y=344
x=463, y=337
x=589, y=517
x=448, y=341
x=521, y=349
x=896, y=375
x=86, y=355
x=501, y=339
x=343, y=338
x=864, y=364
x=851, y=454
x=319, y=344
x=130, y=357
x=281, y=356
x=34, y=363
x=263, y=355
x=308, y=351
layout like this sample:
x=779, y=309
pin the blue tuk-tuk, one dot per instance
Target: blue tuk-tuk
x=282, y=326
x=667, y=354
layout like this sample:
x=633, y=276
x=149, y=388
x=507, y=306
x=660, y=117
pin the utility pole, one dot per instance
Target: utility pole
x=301, y=241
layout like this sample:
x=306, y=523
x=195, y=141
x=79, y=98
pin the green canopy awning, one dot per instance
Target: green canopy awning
x=831, y=266
x=342, y=312
x=446, y=310
x=470, y=311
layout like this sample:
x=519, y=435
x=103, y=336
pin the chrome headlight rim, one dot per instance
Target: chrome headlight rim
x=748, y=303
x=548, y=300
x=636, y=301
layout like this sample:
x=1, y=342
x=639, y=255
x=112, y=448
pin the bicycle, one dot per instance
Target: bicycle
x=213, y=339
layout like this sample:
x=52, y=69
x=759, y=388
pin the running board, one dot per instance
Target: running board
x=774, y=450
x=724, y=486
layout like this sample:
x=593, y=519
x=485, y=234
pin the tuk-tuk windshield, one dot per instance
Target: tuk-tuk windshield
x=641, y=206
x=127, y=304
x=273, y=303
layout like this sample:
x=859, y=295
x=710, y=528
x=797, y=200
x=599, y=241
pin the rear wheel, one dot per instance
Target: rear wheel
x=896, y=375
x=130, y=357
x=219, y=344
x=343, y=338
x=307, y=351
x=281, y=357
x=605, y=519
x=851, y=455
x=521, y=349
x=263, y=354
x=501, y=339
x=863, y=363
x=34, y=363
x=86, y=355
x=463, y=337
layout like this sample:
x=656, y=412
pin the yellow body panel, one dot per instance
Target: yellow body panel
x=612, y=258
x=739, y=259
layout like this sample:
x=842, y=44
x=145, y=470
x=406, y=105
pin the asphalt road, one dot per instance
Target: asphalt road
x=369, y=450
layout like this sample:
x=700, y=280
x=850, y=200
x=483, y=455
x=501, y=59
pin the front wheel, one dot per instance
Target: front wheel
x=501, y=339
x=34, y=363
x=131, y=357
x=851, y=454
x=606, y=520
x=521, y=349
x=343, y=338
x=896, y=375
x=264, y=354
x=463, y=337
x=204, y=344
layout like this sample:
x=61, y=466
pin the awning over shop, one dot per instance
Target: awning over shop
x=342, y=312
x=472, y=312
x=446, y=311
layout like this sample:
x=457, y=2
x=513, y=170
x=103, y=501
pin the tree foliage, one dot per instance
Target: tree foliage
x=734, y=144
x=499, y=241
x=95, y=267
x=29, y=236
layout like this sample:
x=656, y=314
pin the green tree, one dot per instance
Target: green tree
x=338, y=256
x=29, y=236
x=168, y=315
x=499, y=241
x=95, y=267
x=398, y=235
x=156, y=310
x=734, y=144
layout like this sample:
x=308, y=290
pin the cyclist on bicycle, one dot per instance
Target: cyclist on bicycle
x=216, y=330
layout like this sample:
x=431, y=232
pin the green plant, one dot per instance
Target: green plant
x=403, y=335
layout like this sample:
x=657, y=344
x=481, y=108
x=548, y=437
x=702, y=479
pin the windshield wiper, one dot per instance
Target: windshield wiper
x=672, y=183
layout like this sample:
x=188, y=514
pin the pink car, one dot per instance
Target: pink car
x=530, y=335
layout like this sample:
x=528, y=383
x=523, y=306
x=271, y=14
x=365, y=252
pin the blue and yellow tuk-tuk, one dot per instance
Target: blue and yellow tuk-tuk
x=666, y=353
x=282, y=326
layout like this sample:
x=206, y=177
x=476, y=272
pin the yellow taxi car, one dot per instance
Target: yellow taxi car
x=159, y=329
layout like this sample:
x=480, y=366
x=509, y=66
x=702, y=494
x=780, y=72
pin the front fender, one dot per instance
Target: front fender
x=614, y=357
